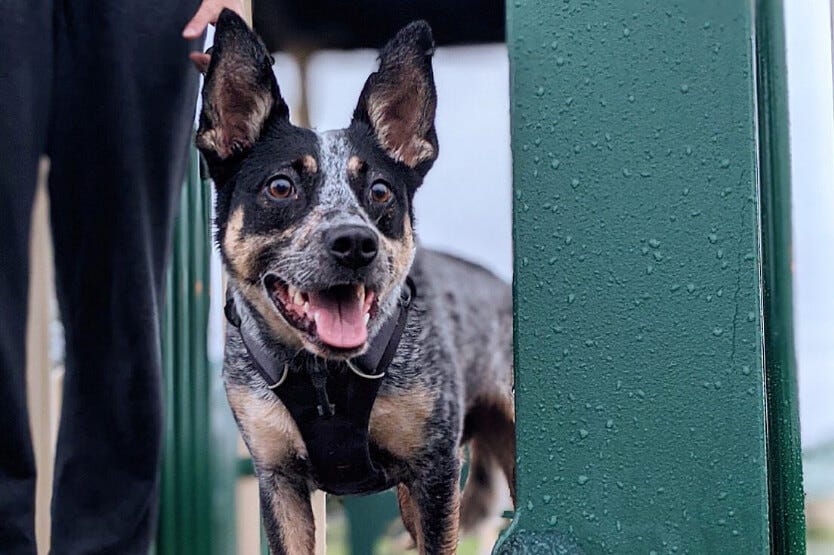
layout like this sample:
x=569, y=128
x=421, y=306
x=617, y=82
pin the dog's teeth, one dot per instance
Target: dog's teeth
x=367, y=317
x=306, y=307
x=291, y=291
x=360, y=293
x=298, y=298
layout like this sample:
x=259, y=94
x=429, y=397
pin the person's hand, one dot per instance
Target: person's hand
x=207, y=13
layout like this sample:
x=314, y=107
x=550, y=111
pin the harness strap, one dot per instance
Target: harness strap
x=332, y=403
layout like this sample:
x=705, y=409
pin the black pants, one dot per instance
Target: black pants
x=104, y=87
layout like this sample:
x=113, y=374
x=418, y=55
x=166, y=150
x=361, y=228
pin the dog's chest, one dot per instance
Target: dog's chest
x=397, y=424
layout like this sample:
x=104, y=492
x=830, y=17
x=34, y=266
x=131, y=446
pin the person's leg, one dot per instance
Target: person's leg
x=123, y=116
x=25, y=66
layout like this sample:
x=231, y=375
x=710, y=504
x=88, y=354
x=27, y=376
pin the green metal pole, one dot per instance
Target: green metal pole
x=198, y=481
x=640, y=377
x=168, y=530
x=182, y=325
x=787, y=512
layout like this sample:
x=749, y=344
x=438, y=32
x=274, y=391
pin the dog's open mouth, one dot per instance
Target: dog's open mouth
x=337, y=316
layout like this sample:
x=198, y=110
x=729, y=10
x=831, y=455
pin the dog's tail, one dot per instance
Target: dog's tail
x=491, y=433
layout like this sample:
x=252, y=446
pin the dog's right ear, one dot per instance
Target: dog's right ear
x=240, y=91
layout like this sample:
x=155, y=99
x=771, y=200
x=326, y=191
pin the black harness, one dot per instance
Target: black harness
x=331, y=402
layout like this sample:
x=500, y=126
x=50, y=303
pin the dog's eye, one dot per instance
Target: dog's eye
x=380, y=192
x=280, y=187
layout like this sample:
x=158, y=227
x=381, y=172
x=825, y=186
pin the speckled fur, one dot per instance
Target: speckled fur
x=450, y=382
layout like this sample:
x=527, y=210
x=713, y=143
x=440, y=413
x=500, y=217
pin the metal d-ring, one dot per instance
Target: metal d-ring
x=361, y=374
x=283, y=376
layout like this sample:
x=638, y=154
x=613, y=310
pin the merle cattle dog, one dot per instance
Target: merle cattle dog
x=355, y=360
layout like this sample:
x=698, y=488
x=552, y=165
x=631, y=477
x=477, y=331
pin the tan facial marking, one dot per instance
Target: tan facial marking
x=355, y=166
x=405, y=255
x=271, y=433
x=398, y=421
x=309, y=164
x=401, y=252
x=242, y=251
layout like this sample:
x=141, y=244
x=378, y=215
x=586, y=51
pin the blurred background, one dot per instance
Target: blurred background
x=323, y=56
x=808, y=30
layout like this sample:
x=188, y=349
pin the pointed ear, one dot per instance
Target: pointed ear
x=399, y=101
x=240, y=91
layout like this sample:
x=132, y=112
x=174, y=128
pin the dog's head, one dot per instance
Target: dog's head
x=315, y=229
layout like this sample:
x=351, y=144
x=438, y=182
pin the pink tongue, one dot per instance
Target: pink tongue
x=340, y=322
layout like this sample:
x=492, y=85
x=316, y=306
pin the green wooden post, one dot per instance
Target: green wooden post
x=640, y=376
x=198, y=478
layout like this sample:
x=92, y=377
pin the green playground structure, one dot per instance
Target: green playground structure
x=655, y=383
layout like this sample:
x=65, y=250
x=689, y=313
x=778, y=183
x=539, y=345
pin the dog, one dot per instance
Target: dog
x=355, y=361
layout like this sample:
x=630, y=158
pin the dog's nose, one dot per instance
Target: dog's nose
x=353, y=246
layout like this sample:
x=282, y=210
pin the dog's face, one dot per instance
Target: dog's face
x=316, y=228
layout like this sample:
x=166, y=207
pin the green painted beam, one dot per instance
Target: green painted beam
x=640, y=379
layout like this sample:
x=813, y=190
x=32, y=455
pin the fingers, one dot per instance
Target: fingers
x=207, y=14
x=200, y=61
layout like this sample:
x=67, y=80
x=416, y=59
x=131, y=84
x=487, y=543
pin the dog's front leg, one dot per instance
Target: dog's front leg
x=434, y=499
x=287, y=514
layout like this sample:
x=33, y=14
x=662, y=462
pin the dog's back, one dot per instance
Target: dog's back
x=477, y=307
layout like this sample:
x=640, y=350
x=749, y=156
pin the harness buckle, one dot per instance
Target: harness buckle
x=319, y=380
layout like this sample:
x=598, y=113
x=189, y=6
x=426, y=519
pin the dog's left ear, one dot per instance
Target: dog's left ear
x=240, y=91
x=399, y=100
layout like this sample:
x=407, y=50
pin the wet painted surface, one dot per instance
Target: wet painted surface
x=639, y=361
